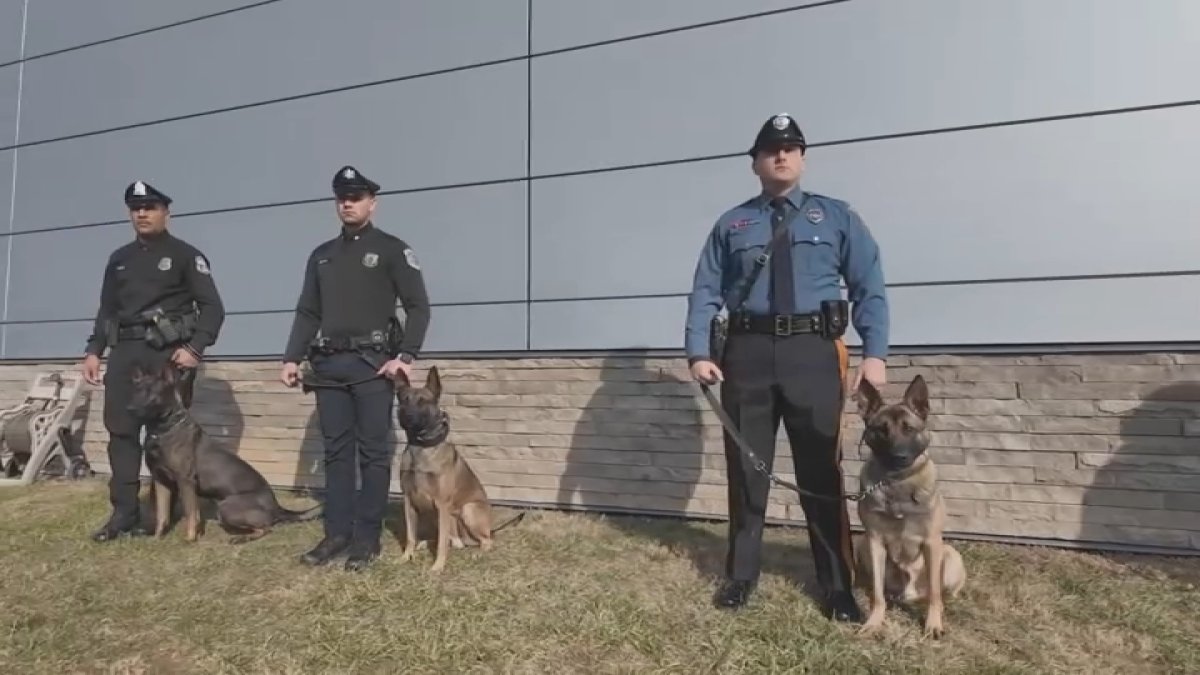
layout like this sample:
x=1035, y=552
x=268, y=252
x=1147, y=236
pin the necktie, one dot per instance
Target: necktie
x=782, y=289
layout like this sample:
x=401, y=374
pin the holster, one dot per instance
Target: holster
x=834, y=318
x=718, y=336
x=166, y=331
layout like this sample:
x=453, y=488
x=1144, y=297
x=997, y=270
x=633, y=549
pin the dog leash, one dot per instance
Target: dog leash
x=761, y=466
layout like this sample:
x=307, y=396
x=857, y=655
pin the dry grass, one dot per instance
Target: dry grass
x=560, y=593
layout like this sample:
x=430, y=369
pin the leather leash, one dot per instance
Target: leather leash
x=760, y=465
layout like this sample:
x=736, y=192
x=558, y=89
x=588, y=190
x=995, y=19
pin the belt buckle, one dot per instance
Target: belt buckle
x=783, y=325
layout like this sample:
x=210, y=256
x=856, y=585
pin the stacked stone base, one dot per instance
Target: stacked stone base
x=1102, y=450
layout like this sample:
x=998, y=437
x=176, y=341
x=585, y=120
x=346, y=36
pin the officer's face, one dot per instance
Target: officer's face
x=148, y=219
x=355, y=209
x=779, y=166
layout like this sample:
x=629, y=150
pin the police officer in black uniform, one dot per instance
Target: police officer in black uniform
x=158, y=304
x=784, y=358
x=351, y=285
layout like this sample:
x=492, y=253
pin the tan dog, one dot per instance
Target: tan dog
x=903, y=512
x=435, y=477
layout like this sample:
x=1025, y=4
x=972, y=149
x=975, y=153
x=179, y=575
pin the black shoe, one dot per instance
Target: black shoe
x=325, y=551
x=841, y=606
x=733, y=594
x=114, y=529
x=361, y=556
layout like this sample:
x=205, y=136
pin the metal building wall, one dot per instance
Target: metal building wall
x=1027, y=166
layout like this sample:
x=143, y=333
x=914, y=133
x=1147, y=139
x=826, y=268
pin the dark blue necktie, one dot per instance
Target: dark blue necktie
x=782, y=289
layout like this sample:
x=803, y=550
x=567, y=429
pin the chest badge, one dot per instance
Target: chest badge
x=814, y=215
x=370, y=260
x=164, y=264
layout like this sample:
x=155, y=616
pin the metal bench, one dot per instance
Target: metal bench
x=37, y=436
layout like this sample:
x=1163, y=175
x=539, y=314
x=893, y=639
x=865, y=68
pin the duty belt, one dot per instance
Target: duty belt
x=780, y=325
x=133, y=332
x=376, y=339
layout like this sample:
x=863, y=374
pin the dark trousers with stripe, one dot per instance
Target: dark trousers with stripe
x=800, y=381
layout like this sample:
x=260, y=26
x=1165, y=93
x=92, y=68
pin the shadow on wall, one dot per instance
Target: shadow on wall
x=1147, y=492
x=640, y=447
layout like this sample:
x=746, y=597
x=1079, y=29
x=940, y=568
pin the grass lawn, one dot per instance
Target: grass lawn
x=560, y=593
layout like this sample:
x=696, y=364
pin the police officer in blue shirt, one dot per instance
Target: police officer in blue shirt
x=352, y=283
x=782, y=355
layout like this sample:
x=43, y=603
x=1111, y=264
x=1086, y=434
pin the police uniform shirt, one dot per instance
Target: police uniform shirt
x=829, y=241
x=351, y=284
x=161, y=271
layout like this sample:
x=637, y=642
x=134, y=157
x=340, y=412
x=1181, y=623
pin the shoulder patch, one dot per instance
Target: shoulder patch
x=202, y=265
x=411, y=257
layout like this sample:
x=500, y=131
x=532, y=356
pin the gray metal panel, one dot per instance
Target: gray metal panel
x=1024, y=201
x=46, y=340
x=9, y=87
x=1028, y=312
x=462, y=127
x=642, y=323
x=11, y=13
x=59, y=24
x=857, y=69
x=6, y=165
x=224, y=61
x=567, y=23
x=40, y=288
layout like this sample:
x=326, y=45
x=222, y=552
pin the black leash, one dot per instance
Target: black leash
x=309, y=380
x=760, y=465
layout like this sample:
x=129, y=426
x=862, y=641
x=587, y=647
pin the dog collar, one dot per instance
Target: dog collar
x=431, y=436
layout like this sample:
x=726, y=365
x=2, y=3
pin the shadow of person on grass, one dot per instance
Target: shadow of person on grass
x=1145, y=495
x=647, y=452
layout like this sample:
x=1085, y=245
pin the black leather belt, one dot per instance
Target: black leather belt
x=135, y=332
x=780, y=325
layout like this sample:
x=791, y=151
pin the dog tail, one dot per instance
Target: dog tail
x=511, y=521
x=289, y=516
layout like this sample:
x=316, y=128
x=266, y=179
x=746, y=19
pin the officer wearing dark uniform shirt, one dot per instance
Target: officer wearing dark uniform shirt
x=783, y=356
x=158, y=304
x=351, y=285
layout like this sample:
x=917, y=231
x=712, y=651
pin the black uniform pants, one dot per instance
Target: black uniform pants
x=355, y=423
x=124, y=429
x=798, y=379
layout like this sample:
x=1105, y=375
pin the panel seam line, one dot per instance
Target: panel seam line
x=12, y=194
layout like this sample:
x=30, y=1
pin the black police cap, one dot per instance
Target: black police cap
x=140, y=192
x=349, y=180
x=780, y=130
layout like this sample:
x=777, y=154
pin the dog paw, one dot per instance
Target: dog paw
x=934, y=629
x=437, y=568
x=873, y=624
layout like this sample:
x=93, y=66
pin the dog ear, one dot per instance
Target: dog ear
x=917, y=397
x=434, y=383
x=401, y=381
x=869, y=399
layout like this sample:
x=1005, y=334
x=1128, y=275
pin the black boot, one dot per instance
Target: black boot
x=362, y=554
x=841, y=606
x=733, y=594
x=325, y=551
x=116, y=527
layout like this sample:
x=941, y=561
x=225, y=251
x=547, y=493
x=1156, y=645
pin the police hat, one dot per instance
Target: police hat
x=349, y=180
x=780, y=130
x=140, y=193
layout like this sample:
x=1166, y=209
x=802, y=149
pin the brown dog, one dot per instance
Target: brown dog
x=184, y=459
x=903, y=512
x=435, y=477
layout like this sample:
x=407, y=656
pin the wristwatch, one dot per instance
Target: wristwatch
x=406, y=357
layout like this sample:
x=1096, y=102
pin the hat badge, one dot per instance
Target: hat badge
x=781, y=121
x=348, y=174
x=139, y=189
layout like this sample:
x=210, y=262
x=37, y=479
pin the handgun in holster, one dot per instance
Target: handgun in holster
x=164, y=331
x=718, y=336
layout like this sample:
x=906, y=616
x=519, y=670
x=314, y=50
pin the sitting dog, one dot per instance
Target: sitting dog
x=902, y=511
x=435, y=477
x=180, y=455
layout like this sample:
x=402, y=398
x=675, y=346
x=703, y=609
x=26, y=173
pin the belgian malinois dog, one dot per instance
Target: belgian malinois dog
x=903, y=512
x=184, y=460
x=435, y=477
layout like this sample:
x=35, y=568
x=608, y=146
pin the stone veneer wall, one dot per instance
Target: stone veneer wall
x=1075, y=448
